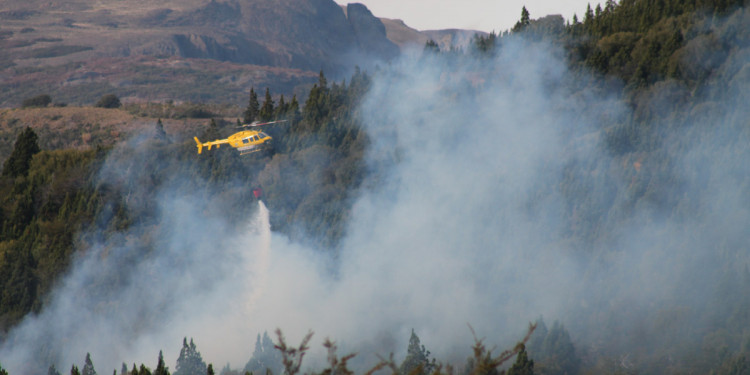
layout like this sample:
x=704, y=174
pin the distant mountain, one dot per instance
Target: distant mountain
x=191, y=50
x=147, y=50
x=406, y=37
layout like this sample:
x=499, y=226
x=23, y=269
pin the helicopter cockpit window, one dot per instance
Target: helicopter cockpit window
x=245, y=140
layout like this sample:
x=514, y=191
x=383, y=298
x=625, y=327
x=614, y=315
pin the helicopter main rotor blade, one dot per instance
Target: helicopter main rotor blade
x=256, y=123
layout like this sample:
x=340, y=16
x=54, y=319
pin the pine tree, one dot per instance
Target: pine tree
x=417, y=359
x=588, y=18
x=322, y=81
x=88, y=367
x=294, y=112
x=523, y=365
x=51, y=371
x=2, y=370
x=523, y=22
x=74, y=370
x=212, y=133
x=159, y=132
x=553, y=349
x=190, y=361
x=265, y=357
x=25, y=148
x=431, y=47
x=282, y=108
x=253, y=107
x=161, y=369
x=124, y=370
x=210, y=370
x=267, y=110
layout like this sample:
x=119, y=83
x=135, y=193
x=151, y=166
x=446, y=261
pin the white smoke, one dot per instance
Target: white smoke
x=260, y=260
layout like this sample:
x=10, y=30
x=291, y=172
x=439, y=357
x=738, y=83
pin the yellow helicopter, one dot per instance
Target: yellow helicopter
x=246, y=141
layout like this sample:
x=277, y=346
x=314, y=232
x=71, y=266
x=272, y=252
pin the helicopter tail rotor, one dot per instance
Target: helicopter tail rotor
x=200, y=146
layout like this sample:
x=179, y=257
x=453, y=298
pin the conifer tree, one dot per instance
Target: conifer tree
x=282, y=108
x=431, y=47
x=159, y=132
x=212, y=132
x=253, y=107
x=88, y=366
x=267, y=110
x=322, y=81
x=124, y=370
x=588, y=18
x=265, y=357
x=523, y=22
x=190, y=361
x=74, y=370
x=25, y=148
x=523, y=365
x=51, y=371
x=417, y=358
x=294, y=112
x=161, y=368
x=210, y=370
x=553, y=349
x=2, y=370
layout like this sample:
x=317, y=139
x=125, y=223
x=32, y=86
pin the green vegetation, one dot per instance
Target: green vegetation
x=44, y=205
x=190, y=361
x=417, y=359
x=37, y=101
x=20, y=159
x=253, y=107
x=109, y=101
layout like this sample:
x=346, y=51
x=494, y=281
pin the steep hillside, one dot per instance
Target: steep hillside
x=51, y=46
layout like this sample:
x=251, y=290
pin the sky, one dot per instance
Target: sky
x=483, y=15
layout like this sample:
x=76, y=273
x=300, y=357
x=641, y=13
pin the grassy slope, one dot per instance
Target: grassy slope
x=87, y=127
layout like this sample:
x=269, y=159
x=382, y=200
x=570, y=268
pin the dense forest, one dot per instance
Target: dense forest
x=674, y=138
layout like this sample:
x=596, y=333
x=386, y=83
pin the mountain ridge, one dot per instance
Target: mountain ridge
x=46, y=39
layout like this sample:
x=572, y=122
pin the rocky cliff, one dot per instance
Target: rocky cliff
x=300, y=35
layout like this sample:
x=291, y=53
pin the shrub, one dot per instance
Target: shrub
x=37, y=101
x=109, y=101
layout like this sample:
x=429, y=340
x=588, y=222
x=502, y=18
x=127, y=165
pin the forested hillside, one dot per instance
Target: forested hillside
x=608, y=153
x=50, y=197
